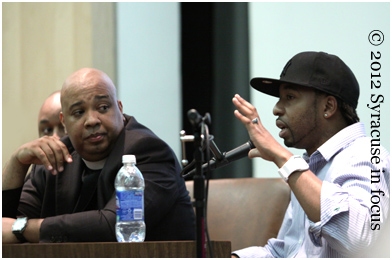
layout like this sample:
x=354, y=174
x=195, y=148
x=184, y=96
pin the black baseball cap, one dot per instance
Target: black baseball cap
x=318, y=70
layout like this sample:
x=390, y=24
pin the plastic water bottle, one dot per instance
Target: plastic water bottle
x=129, y=185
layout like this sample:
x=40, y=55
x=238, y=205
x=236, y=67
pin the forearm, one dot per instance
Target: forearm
x=47, y=150
x=307, y=189
x=88, y=226
x=14, y=174
x=32, y=230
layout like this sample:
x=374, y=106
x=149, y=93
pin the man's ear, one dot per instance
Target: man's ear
x=330, y=107
x=62, y=122
x=120, y=106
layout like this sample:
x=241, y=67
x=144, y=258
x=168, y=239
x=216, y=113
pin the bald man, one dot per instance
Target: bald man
x=70, y=195
x=49, y=117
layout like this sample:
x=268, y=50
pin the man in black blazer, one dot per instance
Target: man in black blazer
x=59, y=202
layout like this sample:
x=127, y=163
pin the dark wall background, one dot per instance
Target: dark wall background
x=215, y=66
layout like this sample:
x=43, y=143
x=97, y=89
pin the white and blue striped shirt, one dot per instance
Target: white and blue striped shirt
x=354, y=205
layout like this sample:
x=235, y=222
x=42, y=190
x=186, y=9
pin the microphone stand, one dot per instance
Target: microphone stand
x=199, y=192
x=201, y=134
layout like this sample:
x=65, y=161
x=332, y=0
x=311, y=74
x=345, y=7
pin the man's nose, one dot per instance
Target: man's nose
x=92, y=119
x=278, y=109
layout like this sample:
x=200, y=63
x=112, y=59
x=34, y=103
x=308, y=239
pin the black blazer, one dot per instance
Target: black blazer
x=168, y=211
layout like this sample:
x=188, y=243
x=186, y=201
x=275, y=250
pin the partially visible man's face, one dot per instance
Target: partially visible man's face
x=298, y=117
x=49, y=117
x=91, y=113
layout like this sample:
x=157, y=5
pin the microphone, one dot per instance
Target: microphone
x=194, y=117
x=228, y=157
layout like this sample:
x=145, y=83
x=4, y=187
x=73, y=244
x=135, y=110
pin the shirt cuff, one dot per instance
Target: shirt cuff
x=331, y=203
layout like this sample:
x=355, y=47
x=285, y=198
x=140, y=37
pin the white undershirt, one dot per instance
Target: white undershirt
x=98, y=165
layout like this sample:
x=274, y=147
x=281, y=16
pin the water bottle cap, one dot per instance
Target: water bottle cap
x=129, y=158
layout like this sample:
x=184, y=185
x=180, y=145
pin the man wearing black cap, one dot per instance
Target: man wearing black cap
x=340, y=197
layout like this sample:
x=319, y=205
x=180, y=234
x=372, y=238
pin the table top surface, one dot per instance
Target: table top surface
x=151, y=249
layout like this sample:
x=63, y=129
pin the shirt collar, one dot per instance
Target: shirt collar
x=98, y=165
x=340, y=140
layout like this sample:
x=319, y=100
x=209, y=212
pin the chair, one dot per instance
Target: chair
x=245, y=211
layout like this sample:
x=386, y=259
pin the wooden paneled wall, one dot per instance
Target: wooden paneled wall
x=42, y=44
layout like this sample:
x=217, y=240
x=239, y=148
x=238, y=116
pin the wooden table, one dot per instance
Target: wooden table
x=175, y=249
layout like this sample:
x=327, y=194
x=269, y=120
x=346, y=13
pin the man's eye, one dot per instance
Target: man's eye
x=289, y=97
x=103, y=108
x=77, y=112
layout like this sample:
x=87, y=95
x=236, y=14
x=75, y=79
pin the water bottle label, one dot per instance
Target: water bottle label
x=129, y=205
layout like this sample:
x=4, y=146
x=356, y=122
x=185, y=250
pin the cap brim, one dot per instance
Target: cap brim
x=270, y=86
x=266, y=85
